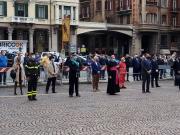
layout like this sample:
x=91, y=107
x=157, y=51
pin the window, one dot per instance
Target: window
x=21, y=9
x=151, y=2
x=151, y=18
x=174, y=4
x=108, y=5
x=74, y=13
x=98, y=6
x=67, y=11
x=3, y=8
x=164, y=3
x=164, y=19
x=60, y=12
x=42, y=11
x=85, y=12
x=174, y=21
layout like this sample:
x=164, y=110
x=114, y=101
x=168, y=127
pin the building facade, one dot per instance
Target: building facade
x=154, y=25
x=38, y=21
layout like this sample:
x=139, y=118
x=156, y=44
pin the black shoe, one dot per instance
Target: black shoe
x=158, y=86
x=152, y=86
x=70, y=95
x=78, y=95
x=148, y=92
x=53, y=92
x=143, y=92
x=30, y=98
x=15, y=93
x=34, y=99
x=21, y=93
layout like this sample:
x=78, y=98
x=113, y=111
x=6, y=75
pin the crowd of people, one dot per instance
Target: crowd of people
x=145, y=68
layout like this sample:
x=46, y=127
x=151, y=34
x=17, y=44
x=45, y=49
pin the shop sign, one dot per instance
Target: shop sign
x=13, y=45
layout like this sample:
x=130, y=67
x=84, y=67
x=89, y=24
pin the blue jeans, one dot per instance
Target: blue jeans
x=3, y=77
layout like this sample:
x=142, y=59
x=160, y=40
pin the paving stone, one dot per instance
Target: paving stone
x=94, y=113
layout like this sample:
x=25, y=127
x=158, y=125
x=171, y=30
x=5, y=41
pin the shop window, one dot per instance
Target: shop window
x=42, y=11
x=163, y=42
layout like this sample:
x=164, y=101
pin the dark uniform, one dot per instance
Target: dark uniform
x=154, y=73
x=74, y=73
x=32, y=70
x=146, y=71
x=176, y=68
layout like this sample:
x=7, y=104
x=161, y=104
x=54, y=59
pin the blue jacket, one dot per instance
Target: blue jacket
x=96, y=68
x=3, y=61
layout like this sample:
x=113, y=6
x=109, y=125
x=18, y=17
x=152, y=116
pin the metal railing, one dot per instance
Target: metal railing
x=165, y=72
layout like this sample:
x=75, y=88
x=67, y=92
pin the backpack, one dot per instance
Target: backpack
x=13, y=74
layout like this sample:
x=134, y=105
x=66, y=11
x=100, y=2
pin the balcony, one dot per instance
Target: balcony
x=19, y=19
x=174, y=10
x=124, y=11
x=73, y=22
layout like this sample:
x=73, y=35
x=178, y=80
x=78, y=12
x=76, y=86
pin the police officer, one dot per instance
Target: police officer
x=32, y=70
x=74, y=73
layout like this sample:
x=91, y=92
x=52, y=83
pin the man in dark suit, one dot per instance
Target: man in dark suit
x=96, y=68
x=74, y=73
x=146, y=71
x=155, y=72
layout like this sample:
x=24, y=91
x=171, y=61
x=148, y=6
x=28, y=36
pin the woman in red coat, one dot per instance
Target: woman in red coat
x=122, y=73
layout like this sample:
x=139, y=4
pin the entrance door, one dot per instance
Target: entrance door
x=146, y=43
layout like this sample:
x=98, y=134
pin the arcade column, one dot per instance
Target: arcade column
x=10, y=31
x=31, y=46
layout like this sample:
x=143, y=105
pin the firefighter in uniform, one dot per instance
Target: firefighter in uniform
x=32, y=70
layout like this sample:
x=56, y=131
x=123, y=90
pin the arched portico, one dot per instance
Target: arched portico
x=105, y=41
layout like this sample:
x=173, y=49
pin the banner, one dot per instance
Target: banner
x=13, y=45
x=66, y=29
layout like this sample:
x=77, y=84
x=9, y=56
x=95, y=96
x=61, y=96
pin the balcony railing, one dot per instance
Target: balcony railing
x=73, y=22
x=19, y=19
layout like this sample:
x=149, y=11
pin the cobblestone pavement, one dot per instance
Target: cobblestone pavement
x=128, y=113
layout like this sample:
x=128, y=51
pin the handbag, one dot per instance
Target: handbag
x=13, y=74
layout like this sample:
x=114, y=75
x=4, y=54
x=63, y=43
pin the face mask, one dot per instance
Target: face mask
x=33, y=56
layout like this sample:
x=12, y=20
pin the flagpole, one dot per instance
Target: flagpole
x=62, y=42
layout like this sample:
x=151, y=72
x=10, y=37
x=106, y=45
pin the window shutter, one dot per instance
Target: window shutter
x=5, y=8
x=46, y=11
x=37, y=8
x=16, y=9
x=26, y=9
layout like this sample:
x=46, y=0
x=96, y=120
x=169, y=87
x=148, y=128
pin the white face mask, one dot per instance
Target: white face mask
x=33, y=56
